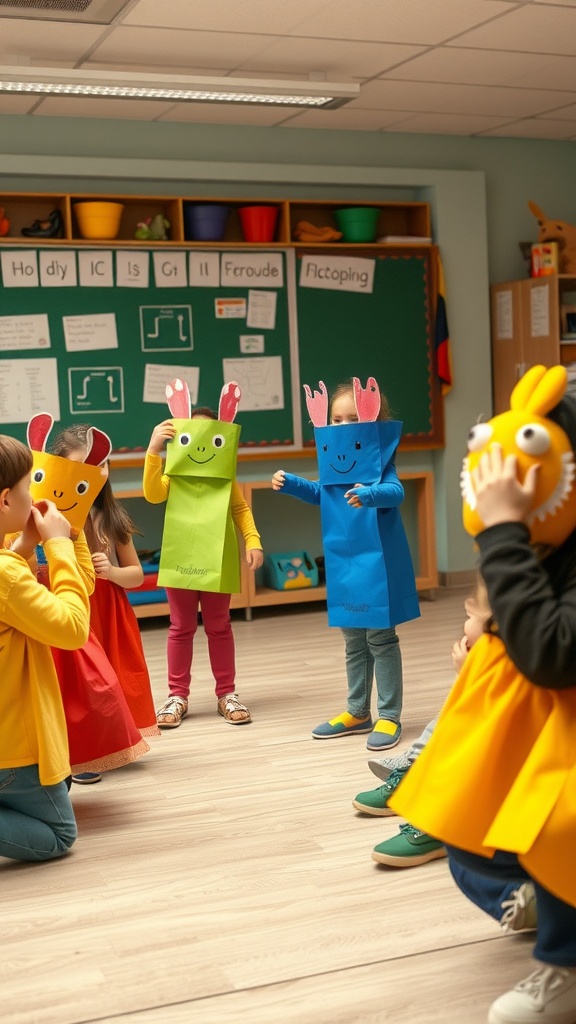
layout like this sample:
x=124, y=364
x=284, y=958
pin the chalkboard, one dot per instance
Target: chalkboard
x=154, y=327
x=387, y=333
x=106, y=350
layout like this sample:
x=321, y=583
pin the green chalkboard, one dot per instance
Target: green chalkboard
x=51, y=337
x=154, y=326
x=387, y=333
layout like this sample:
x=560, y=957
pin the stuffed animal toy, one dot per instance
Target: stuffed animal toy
x=562, y=233
x=526, y=432
x=4, y=222
x=153, y=229
x=72, y=486
x=199, y=545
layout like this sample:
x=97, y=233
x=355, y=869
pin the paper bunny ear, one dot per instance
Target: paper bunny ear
x=38, y=431
x=317, y=405
x=367, y=400
x=229, y=401
x=99, y=447
x=178, y=398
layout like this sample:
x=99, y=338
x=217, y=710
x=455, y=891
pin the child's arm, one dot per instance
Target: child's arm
x=127, y=574
x=297, y=487
x=84, y=559
x=388, y=493
x=154, y=484
x=244, y=520
x=58, y=617
x=533, y=600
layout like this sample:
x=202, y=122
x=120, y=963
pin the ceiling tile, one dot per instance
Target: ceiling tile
x=408, y=21
x=45, y=41
x=164, y=48
x=466, y=99
x=528, y=29
x=335, y=57
x=476, y=67
x=446, y=124
x=258, y=16
x=344, y=119
x=17, y=104
x=536, y=128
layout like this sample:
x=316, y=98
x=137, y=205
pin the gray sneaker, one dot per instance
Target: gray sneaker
x=520, y=912
x=384, y=766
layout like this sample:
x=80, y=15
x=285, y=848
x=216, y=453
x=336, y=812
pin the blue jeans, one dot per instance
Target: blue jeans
x=36, y=822
x=487, y=893
x=369, y=653
x=556, y=930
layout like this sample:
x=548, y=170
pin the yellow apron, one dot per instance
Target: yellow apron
x=500, y=770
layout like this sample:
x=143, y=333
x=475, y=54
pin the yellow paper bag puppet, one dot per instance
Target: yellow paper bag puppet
x=499, y=772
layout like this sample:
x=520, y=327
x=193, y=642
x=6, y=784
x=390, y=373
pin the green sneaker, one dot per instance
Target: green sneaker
x=409, y=848
x=375, y=801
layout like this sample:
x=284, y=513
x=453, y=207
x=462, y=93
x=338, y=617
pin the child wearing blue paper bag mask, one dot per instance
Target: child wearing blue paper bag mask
x=369, y=575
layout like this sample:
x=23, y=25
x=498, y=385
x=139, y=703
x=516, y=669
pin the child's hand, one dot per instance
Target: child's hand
x=30, y=536
x=500, y=496
x=49, y=522
x=352, y=497
x=254, y=557
x=163, y=432
x=278, y=480
x=460, y=653
x=102, y=565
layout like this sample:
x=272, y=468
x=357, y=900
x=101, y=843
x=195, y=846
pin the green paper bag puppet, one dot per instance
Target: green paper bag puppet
x=199, y=543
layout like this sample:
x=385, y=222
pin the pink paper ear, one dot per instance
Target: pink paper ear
x=367, y=400
x=229, y=401
x=38, y=431
x=317, y=405
x=178, y=398
x=99, y=447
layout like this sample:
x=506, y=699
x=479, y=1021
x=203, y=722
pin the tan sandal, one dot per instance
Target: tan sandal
x=233, y=711
x=172, y=712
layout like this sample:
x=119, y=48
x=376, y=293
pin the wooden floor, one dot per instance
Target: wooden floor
x=226, y=876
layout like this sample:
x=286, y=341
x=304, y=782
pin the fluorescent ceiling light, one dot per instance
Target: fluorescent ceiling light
x=174, y=88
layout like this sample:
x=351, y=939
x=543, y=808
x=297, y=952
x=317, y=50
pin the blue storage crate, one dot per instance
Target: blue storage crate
x=290, y=570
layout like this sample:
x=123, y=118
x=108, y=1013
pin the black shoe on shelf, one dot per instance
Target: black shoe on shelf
x=49, y=228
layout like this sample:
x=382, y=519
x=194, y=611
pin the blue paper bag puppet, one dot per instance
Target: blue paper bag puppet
x=369, y=574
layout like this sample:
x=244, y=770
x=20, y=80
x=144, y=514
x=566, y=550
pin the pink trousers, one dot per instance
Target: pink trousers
x=215, y=609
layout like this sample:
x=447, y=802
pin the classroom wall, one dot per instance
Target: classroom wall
x=478, y=190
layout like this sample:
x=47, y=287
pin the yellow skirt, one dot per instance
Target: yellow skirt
x=500, y=770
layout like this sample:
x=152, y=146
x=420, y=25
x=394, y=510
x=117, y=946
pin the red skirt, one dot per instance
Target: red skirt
x=113, y=621
x=102, y=733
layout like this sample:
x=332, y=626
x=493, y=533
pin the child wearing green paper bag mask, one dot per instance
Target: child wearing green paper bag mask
x=184, y=604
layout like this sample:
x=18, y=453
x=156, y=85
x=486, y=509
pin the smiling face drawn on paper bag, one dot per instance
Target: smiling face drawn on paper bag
x=528, y=433
x=202, y=448
x=350, y=453
x=72, y=486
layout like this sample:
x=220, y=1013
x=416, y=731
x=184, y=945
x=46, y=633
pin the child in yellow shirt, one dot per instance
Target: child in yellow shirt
x=36, y=817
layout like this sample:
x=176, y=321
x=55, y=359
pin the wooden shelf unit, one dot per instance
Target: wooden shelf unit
x=527, y=330
x=252, y=596
x=400, y=219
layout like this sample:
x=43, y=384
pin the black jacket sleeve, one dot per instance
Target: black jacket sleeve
x=533, y=602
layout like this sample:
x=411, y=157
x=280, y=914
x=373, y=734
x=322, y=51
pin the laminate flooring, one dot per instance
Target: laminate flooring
x=226, y=876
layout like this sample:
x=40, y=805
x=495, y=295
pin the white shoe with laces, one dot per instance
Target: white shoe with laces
x=547, y=996
x=520, y=913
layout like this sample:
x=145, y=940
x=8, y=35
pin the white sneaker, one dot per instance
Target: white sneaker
x=520, y=913
x=384, y=766
x=547, y=996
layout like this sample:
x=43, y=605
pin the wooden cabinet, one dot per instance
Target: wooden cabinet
x=399, y=220
x=528, y=324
